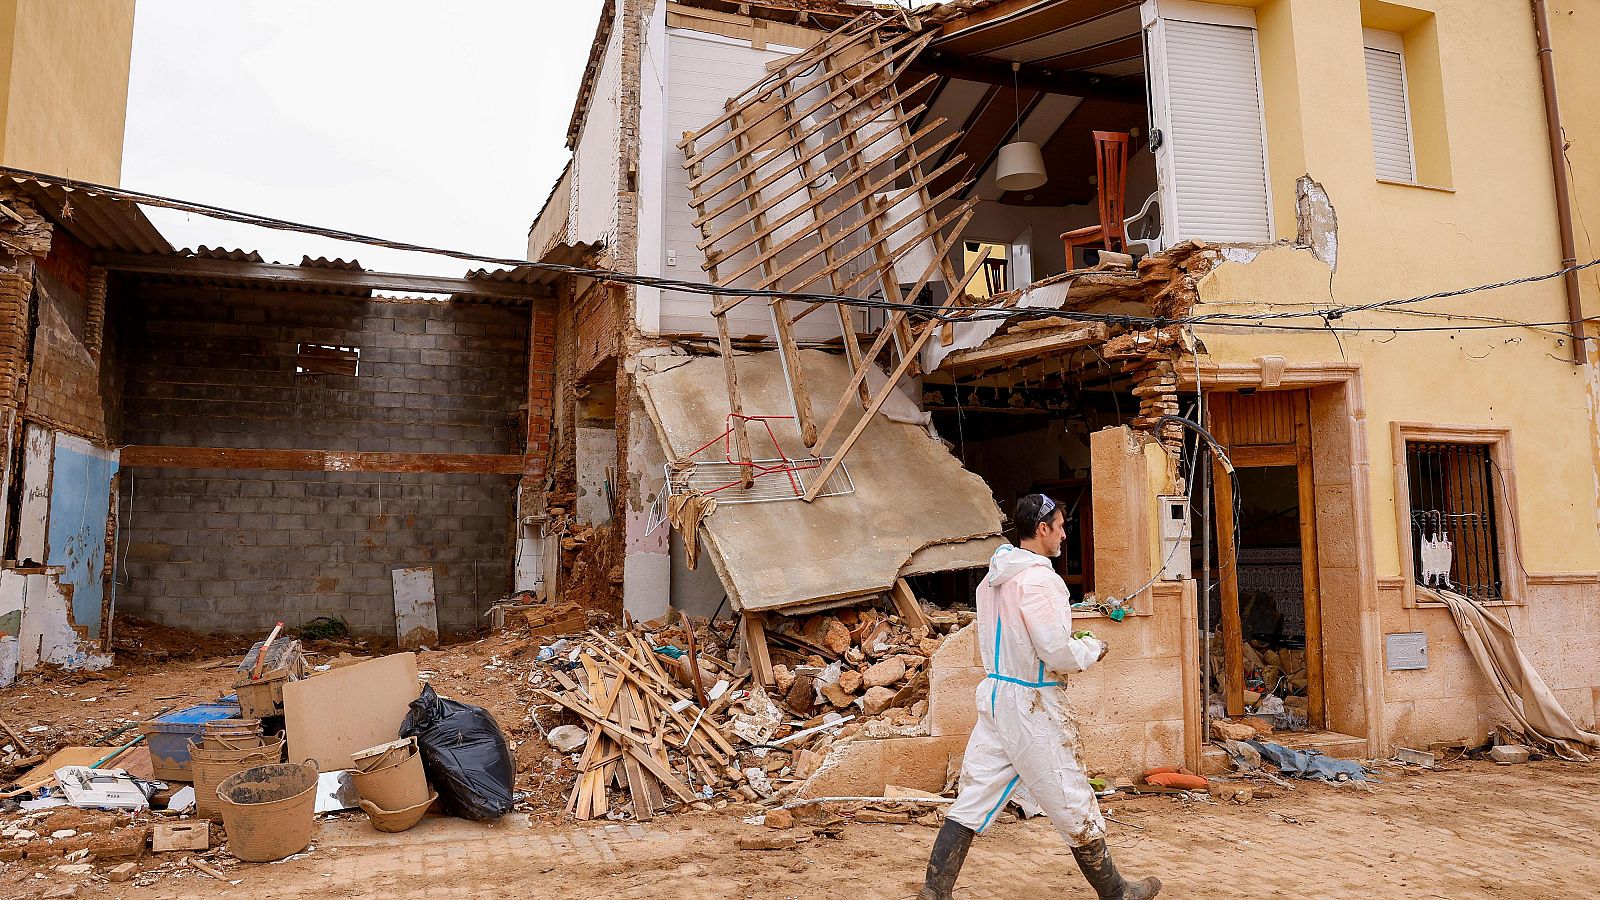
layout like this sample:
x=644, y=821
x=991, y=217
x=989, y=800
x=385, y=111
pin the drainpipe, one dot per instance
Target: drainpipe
x=1558, y=162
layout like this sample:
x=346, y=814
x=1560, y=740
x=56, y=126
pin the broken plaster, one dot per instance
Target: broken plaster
x=1317, y=225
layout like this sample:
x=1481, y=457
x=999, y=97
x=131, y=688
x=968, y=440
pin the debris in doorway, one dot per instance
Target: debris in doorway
x=1310, y=764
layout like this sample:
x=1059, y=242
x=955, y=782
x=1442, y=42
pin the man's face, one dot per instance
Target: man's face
x=1052, y=533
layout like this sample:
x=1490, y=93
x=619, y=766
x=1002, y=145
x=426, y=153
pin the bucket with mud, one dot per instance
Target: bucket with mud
x=391, y=775
x=268, y=810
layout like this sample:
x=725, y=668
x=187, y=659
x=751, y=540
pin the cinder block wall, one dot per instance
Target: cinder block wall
x=236, y=550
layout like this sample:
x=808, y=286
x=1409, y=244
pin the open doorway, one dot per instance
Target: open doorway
x=1265, y=608
x=1024, y=428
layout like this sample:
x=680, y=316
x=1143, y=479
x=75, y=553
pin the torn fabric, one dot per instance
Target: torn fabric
x=1520, y=687
x=686, y=511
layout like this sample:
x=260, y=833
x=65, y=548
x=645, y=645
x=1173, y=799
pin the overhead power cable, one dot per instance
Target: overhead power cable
x=1219, y=319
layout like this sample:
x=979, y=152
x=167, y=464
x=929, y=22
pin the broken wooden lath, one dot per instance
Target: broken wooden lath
x=812, y=180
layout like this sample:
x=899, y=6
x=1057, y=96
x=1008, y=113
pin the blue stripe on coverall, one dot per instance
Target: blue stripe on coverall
x=1003, y=795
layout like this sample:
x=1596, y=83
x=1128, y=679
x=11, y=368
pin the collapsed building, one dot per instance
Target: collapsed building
x=1064, y=226
x=1061, y=227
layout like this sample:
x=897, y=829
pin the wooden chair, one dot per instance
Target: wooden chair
x=1111, y=171
x=994, y=274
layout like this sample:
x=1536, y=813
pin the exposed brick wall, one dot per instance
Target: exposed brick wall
x=237, y=550
x=64, y=379
x=541, y=386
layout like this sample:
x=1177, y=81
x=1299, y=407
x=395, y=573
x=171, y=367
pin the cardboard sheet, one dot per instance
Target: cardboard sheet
x=910, y=492
x=331, y=715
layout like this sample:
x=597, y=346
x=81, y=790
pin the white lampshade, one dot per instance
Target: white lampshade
x=1020, y=167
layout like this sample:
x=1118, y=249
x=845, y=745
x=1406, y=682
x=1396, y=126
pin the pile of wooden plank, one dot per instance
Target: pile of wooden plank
x=646, y=733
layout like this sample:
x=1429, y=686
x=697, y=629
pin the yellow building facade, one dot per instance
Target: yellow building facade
x=1387, y=388
x=64, y=85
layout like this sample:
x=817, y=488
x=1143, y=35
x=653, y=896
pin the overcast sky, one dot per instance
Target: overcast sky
x=437, y=123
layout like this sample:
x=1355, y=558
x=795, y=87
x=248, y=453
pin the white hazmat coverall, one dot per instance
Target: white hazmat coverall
x=1026, y=735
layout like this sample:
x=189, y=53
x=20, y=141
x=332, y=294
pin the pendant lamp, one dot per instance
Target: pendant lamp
x=1020, y=166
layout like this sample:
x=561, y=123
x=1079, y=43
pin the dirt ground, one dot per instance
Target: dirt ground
x=1476, y=831
x=1472, y=829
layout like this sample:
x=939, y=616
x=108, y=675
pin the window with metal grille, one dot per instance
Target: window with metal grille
x=1455, y=529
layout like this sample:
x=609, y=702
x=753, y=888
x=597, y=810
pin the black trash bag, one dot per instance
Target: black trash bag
x=465, y=755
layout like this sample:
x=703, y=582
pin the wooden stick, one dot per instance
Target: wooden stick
x=905, y=50
x=800, y=159
x=755, y=639
x=905, y=602
x=873, y=407
x=261, y=657
x=21, y=743
x=859, y=378
x=820, y=48
x=741, y=437
x=631, y=745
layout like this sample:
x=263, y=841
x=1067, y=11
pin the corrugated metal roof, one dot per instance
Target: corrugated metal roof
x=560, y=254
x=237, y=255
x=98, y=221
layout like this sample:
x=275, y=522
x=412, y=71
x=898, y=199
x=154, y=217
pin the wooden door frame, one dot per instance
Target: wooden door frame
x=1297, y=455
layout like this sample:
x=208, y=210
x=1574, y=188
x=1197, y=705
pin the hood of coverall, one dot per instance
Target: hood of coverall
x=1008, y=562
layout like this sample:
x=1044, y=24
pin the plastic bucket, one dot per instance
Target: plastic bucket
x=210, y=767
x=398, y=819
x=268, y=810
x=396, y=786
x=231, y=734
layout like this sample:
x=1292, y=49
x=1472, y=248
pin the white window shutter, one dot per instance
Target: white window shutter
x=1391, y=120
x=1213, y=156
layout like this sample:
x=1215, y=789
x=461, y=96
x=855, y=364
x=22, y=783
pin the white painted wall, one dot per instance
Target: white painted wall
x=596, y=451
x=706, y=70
x=33, y=522
x=594, y=160
x=654, y=141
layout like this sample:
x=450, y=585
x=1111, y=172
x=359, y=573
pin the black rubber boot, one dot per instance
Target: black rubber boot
x=1094, y=860
x=944, y=864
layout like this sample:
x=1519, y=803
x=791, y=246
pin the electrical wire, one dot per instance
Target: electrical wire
x=1216, y=319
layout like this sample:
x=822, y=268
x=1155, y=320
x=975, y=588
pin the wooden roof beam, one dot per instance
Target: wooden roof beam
x=1051, y=81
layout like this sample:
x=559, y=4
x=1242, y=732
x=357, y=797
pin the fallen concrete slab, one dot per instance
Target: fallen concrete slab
x=909, y=493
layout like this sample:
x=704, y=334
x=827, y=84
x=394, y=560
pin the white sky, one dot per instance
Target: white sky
x=442, y=124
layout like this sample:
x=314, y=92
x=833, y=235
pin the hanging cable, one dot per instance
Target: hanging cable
x=1235, y=320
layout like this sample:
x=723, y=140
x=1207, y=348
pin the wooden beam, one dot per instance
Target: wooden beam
x=858, y=379
x=276, y=273
x=986, y=71
x=730, y=373
x=1227, y=563
x=1310, y=577
x=754, y=631
x=907, y=360
x=905, y=603
x=1088, y=333
x=318, y=460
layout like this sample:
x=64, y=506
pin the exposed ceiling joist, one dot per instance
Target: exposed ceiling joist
x=1030, y=77
x=279, y=274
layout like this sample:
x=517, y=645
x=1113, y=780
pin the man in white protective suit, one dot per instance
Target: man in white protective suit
x=1026, y=736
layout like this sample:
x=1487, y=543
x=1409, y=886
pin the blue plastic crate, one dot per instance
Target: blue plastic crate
x=168, y=736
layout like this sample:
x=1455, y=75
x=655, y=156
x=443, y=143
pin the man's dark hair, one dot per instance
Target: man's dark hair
x=1033, y=511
